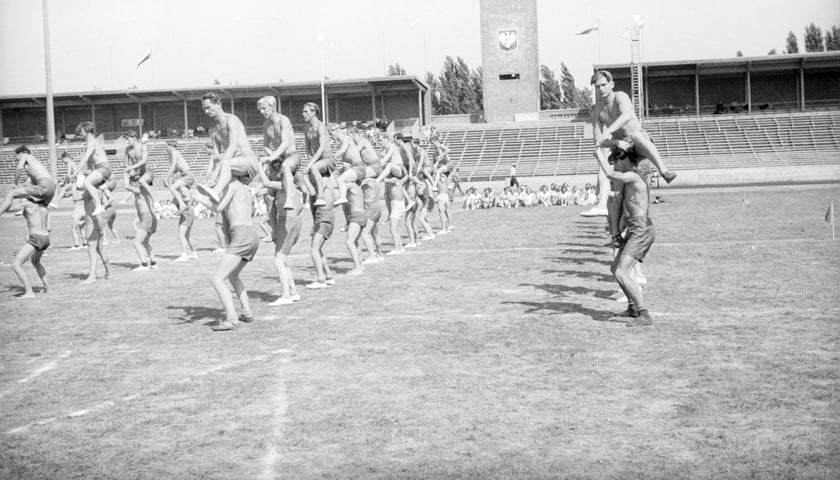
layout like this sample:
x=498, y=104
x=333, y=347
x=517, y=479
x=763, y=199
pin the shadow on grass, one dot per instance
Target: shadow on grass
x=126, y=265
x=266, y=296
x=77, y=276
x=581, y=261
x=168, y=257
x=590, y=250
x=603, y=277
x=564, y=304
x=192, y=314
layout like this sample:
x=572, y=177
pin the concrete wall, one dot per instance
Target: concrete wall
x=509, y=47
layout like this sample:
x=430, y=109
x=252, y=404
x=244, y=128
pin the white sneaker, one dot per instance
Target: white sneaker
x=394, y=252
x=411, y=245
x=141, y=268
x=443, y=232
x=281, y=301
x=182, y=258
x=427, y=237
x=594, y=212
x=219, y=250
x=296, y=297
x=316, y=285
x=331, y=281
x=153, y=267
x=193, y=255
x=370, y=261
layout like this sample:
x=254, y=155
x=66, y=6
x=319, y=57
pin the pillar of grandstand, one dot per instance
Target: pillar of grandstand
x=510, y=60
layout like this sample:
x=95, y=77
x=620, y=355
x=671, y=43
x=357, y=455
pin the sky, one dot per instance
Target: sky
x=96, y=44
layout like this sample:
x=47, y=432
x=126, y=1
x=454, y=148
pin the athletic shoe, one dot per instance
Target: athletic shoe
x=594, y=212
x=219, y=250
x=443, y=232
x=246, y=317
x=643, y=320
x=192, y=255
x=320, y=202
x=669, y=176
x=77, y=247
x=411, y=245
x=316, y=285
x=153, y=266
x=628, y=314
x=296, y=297
x=370, y=261
x=330, y=281
x=141, y=268
x=224, y=325
x=281, y=301
x=427, y=237
x=355, y=272
x=182, y=258
x=394, y=252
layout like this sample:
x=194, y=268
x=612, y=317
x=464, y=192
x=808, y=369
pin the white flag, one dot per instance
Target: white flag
x=587, y=30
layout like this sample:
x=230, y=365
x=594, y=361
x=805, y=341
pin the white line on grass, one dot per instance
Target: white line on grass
x=46, y=367
x=110, y=403
x=280, y=402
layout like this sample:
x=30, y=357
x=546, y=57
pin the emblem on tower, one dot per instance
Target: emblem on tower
x=507, y=39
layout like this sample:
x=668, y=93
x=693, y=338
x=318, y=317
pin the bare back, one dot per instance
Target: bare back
x=33, y=167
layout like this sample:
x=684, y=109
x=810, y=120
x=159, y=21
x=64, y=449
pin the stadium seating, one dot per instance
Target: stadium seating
x=561, y=147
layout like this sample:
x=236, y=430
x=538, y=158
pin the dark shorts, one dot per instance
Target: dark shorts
x=325, y=229
x=104, y=170
x=640, y=237
x=148, y=176
x=359, y=217
x=374, y=212
x=398, y=172
x=323, y=218
x=187, y=217
x=41, y=192
x=361, y=171
x=327, y=164
x=245, y=166
x=148, y=223
x=287, y=230
x=109, y=215
x=94, y=233
x=39, y=241
x=244, y=242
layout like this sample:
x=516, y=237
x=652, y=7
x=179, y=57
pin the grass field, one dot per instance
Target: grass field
x=482, y=354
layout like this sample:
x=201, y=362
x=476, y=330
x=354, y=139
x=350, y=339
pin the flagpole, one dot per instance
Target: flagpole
x=598, y=23
x=50, y=104
x=832, y=222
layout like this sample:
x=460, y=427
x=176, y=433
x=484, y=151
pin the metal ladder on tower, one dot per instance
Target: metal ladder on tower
x=637, y=89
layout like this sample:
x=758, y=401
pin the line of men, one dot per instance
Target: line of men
x=349, y=178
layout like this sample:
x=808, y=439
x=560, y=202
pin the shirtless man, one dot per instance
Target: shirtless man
x=353, y=169
x=640, y=236
x=287, y=227
x=67, y=182
x=94, y=163
x=212, y=177
x=237, y=206
x=93, y=225
x=395, y=166
x=279, y=142
x=137, y=170
x=35, y=246
x=370, y=234
x=613, y=120
x=186, y=219
x=229, y=136
x=321, y=160
x=443, y=203
x=179, y=186
x=323, y=219
x=145, y=227
x=41, y=188
x=109, y=216
x=357, y=221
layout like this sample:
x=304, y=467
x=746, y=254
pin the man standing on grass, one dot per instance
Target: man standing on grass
x=35, y=246
x=635, y=202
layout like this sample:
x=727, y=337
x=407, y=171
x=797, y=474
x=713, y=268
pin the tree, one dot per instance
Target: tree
x=813, y=38
x=550, y=95
x=790, y=44
x=434, y=91
x=583, y=99
x=477, y=83
x=395, y=70
x=567, y=84
x=832, y=39
x=457, y=95
x=772, y=52
x=739, y=53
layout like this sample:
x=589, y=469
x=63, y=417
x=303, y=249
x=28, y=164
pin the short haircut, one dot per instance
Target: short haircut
x=22, y=149
x=398, y=136
x=86, y=127
x=269, y=100
x=130, y=134
x=212, y=96
x=601, y=74
x=313, y=106
x=172, y=143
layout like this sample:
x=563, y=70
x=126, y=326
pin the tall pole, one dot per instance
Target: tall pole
x=323, y=90
x=50, y=105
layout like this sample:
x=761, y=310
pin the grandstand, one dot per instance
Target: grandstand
x=551, y=148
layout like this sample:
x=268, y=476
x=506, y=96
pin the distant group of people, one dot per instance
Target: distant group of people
x=523, y=196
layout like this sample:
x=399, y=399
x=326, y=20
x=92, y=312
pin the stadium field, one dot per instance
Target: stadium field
x=484, y=353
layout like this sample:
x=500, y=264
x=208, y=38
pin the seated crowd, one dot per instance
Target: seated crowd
x=523, y=196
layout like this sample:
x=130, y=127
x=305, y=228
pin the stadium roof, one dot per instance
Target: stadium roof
x=793, y=61
x=333, y=88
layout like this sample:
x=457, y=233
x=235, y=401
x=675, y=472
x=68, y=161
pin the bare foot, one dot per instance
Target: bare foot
x=27, y=295
x=89, y=281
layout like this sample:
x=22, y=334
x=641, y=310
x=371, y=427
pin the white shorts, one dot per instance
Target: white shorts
x=397, y=208
x=443, y=197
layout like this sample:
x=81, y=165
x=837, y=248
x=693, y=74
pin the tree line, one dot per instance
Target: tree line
x=815, y=41
x=457, y=89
